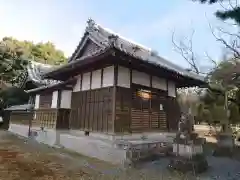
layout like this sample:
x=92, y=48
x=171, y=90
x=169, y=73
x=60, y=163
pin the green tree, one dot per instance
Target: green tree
x=41, y=52
x=15, y=54
x=12, y=63
x=48, y=54
x=232, y=13
x=13, y=96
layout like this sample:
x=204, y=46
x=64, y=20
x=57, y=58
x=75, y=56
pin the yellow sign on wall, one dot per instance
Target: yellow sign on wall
x=144, y=94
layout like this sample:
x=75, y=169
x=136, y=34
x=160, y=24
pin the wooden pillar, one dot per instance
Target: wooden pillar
x=150, y=104
x=59, y=99
x=114, y=97
x=167, y=108
x=130, y=108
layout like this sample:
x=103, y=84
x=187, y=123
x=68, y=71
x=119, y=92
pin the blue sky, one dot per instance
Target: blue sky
x=147, y=22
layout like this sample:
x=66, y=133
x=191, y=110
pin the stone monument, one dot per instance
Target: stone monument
x=188, y=148
x=225, y=143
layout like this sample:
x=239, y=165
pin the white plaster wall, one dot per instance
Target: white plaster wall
x=77, y=86
x=37, y=99
x=171, y=89
x=66, y=98
x=140, y=78
x=159, y=83
x=123, y=77
x=86, y=81
x=96, y=79
x=108, y=76
x=54, y=99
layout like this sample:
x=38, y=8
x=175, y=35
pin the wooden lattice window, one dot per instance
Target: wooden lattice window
x=48, y=119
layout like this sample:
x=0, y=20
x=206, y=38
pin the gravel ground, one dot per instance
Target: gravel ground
x=22, y=159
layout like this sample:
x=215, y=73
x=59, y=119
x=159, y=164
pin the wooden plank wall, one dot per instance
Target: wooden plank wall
x=91, y=110
x=173, y=113
x=63, y=119
x=146, y=115
x=45, y=100
x=123, y=110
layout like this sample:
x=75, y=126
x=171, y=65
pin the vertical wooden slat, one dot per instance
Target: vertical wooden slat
x=114, y=97
x=131, y=101
x=150, y=105
x=82, y=116
x=96, y=107
x=95, y=110
x=81, y=82
x=91, y=110
x=100, y=111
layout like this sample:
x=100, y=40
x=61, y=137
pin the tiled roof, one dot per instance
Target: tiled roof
x=106, y=37
x=22, y=107
x=34, y=73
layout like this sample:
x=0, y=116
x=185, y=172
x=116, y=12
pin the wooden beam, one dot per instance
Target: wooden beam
x=114, y=97
x=167, y=113
x=150, y=101
x=81, y=82
x=130, y=108
x=59, y=99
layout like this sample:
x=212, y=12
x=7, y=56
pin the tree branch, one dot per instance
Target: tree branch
x=232, y=47
x=186, y=51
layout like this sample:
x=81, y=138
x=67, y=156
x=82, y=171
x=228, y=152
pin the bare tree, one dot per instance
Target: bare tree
x=185, y=48
x=230, y=40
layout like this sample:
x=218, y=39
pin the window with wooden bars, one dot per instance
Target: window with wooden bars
x=47, y=118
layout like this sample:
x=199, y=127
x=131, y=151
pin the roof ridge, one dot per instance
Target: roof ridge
x=145, y=53
x=124, y=38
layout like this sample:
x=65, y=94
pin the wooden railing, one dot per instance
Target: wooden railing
x=47, y=118
x=21, y=117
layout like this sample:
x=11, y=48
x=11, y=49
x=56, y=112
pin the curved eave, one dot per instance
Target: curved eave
x=67, y=85
x=185, y=80
x=22, y=107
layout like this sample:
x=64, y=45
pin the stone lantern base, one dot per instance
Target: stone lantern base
x=225, y=145
x=189, y=157
x=196, y=164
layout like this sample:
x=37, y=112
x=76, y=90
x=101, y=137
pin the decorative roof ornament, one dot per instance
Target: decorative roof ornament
x=33, y=73
x=90, y=25
x=136, y=48
x=154, y=53
x=112, y=39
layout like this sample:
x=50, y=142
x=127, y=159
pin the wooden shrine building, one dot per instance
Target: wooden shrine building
x=112, y=85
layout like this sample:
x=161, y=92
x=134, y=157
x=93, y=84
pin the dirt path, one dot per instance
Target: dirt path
x=22, y=159
x=25, y=160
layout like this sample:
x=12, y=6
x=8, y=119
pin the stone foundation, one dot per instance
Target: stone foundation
x=50, y=137
x=110, y=148
x=166, y=136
